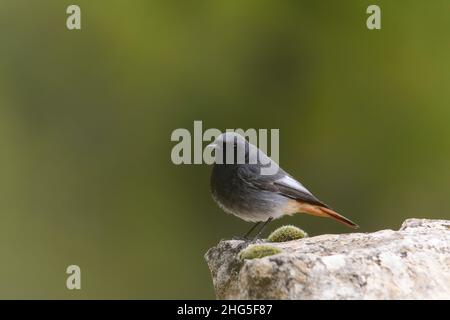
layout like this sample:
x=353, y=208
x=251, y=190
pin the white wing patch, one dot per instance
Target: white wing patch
x=292, y=183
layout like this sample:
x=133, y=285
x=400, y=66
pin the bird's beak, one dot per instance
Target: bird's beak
x=212, y=145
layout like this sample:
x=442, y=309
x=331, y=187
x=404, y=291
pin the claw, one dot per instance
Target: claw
x=240, y=238
x=256, y=239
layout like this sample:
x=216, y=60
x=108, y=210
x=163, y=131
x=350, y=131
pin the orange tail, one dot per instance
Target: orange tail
x=325, y=212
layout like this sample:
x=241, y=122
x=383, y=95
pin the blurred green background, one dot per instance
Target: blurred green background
x=86, y=118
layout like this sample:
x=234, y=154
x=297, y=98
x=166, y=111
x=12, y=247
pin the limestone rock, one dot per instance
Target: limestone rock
x=412, y=263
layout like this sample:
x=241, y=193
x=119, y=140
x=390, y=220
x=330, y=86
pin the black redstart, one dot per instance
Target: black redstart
x=240, y=188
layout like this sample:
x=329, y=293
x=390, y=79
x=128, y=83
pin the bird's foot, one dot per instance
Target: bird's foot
x=247, y=240
x=240, y=238
x=257, y=239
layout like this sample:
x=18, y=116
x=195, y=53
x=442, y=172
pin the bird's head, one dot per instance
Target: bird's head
x=231, y=146
x=228, y=139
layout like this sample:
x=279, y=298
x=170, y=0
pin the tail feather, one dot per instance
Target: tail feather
x=325, y=212
x=336, y=216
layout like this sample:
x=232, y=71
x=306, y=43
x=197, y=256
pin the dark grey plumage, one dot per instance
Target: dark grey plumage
x=241, y=189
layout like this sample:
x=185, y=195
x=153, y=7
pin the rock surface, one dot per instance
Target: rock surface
x=412, y=263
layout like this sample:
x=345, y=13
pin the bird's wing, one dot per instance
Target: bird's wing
x=281, y=183
x=291, y=188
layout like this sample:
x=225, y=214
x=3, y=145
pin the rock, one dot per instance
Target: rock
x=412, y=263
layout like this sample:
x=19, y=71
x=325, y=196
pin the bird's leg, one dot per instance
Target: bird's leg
x=245, y=236
x=262, y=228
x=251, y=229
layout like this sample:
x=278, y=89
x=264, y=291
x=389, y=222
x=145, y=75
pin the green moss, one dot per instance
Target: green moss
x=287, y=233
x=258, y=251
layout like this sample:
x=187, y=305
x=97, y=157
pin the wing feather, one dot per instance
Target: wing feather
x=281, y=183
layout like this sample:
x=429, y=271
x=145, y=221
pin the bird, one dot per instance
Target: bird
x=240, y=188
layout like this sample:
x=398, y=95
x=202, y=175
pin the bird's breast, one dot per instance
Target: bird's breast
x=243, y=200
